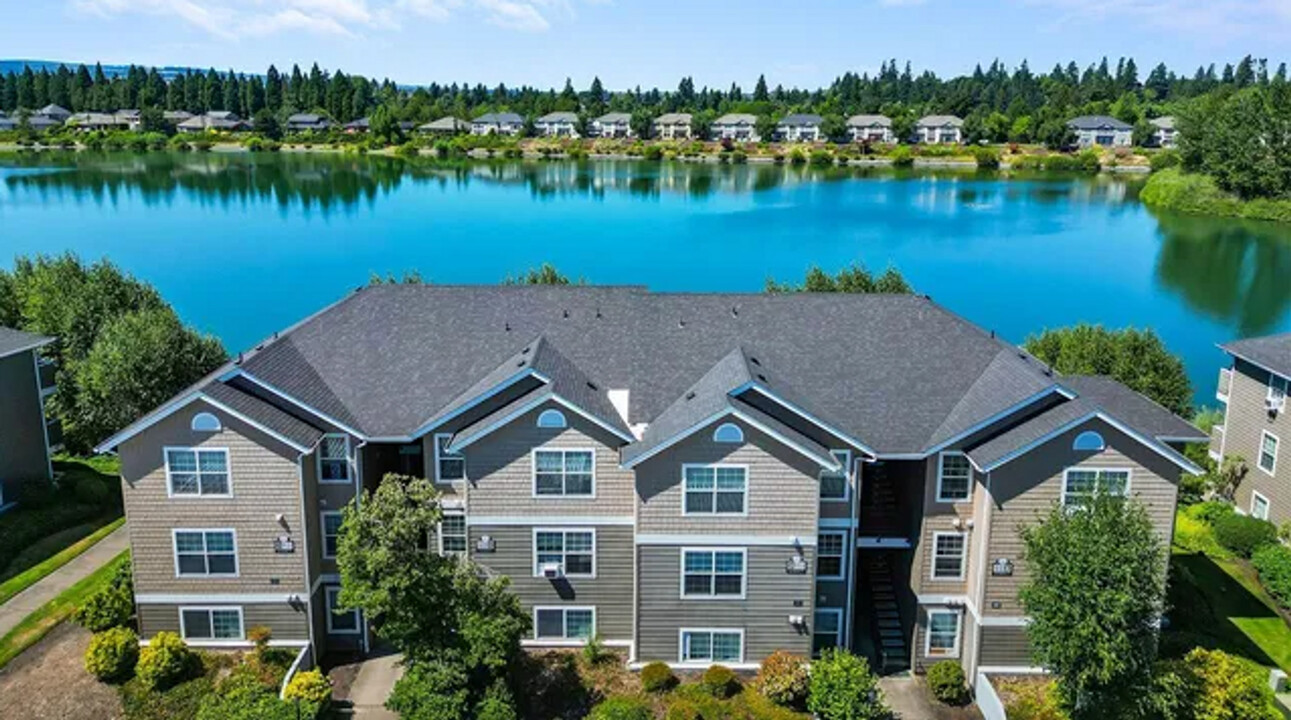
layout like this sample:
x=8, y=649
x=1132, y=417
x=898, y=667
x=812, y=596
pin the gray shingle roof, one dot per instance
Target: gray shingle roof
x=16, y=341
x=673, y=119
x=1272, y=352
x=558, y=117
x=736, y=119
x=277, y=420
x=1165, y=122
x=1098, y=122
x=869, y=121
x=447, y=122
x=614, y=117
x=940, y=121
x=501, y=118
x=801, y=120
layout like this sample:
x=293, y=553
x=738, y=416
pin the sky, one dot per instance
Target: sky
x=804, y=43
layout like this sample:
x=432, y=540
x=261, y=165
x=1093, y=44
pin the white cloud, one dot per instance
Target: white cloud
x=1207, y=20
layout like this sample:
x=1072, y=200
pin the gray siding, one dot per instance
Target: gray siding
x=610, y=591
x=286, y=622
x=772, y=596
x=22, y=425
x=1005, y=647
x=1244, y=427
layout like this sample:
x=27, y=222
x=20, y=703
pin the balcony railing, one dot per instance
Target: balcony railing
x=46, y=371
x=54, y=431
x=1225, y=384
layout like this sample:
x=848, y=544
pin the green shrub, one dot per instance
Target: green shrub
x=621, y=708
x=1213, y=685
x=720, y=681
x=108, y=608
x=987, y=158
x=181, y=702
x=1195, y=536
x=739, y=157
x=254, y=143
x=242, y=696
x=1210, y=511
x=682, y=709
x=821, y=158
x=783, y=678
x=310, y=686
x=902, y=156
x=497, y=704
x=1030, y=700
x=1173, y=189
x=797, y=156
x=653, y=152
x=431, y=691
x=1273, y=563
x=203, y=145
x=112, y=654
x=657, y=677
x=1244, y=534
x=844, y=688
x=1165, y=159
x=166, y=661
x=91, y=491
x=946, y=681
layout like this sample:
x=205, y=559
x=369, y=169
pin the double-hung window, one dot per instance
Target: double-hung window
x=954, y=477
x=1278, y=390
x=829, y=555
x=211, y=553
x=334, y=460
x=340, y=622
x=712, y=573
x=1268, y=452
x=198, y=472
x=563, y=473
x=715, y=489
x=331, y=522
x=211, y=623
x=833, y=483
x=449, y=466
x=712, y=646
x=564, y=623
x=452, y=535
x=1081, y=486
x=949, y=550
x=1259, y=506
x=827, y=630
x=573, y=550
x=943, y=634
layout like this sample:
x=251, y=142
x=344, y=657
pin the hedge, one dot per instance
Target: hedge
x=1244, y=534
x=1273, y=563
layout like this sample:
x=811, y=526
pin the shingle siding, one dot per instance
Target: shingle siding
x=1005, y=646
x=1245, y=424
x=286, y=622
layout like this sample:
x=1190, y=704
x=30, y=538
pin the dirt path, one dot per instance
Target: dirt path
x=49, y=682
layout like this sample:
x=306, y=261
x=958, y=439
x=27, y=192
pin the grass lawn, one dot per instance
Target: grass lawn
x=40, y=622
x=63, y=554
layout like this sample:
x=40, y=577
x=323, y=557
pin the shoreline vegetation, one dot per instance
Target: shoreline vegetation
x=1198, y=194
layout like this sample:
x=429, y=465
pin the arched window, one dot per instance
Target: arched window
x=551, y=418
x=728, y=433
x=206, y=422
x=1089, y=441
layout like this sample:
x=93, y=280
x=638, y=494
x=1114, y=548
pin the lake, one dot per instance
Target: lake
x=244, y=245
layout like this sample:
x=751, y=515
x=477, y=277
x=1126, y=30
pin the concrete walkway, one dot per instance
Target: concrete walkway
x=909, y=698
x=49, y=587
x=376, y=678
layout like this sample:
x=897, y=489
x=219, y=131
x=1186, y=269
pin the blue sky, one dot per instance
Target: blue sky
x=646, y=42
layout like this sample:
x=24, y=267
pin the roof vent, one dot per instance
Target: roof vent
x=506, y=327
x=526, y=350
x=681, y=323
x=564, y=313
x=762, y=377
x=735, y=312
x=754, y=361
x=239, y=358
x=690, y=395
x=598, y=313
x=592, y=385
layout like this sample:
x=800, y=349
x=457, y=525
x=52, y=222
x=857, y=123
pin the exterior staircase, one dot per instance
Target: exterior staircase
x=881, y=514
x=885, y=626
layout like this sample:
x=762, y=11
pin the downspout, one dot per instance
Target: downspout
x=304, y=548
x=980, y=594
x=853, y=509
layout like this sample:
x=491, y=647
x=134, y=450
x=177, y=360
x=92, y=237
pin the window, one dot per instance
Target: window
x=575, y=550
x=452, y=535
x=205, y=422
x=334, y=459
x=1269, y=452
x=943, y=634
x=564, y=623
x=1088, y=441
x=714, y=489
x=712, y=573
x=211, y=623
x=712, y=646
x=954, y=477
x=948, y=555
x=833, y=483
x=565, y=473
x=448, y=466
x=552, y=418
x=206, y=552
x=1259, y=506
x=204, y=472
x=1277, y=389
x=829, y=555
x=341, y=622
x=1081, y=486
x=728, y=433
x=827, y=630
x=331, y=522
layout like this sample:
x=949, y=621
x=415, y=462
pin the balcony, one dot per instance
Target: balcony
x=46, y=371
x=54, y=431
x=1217, y=443
x=1225, y=385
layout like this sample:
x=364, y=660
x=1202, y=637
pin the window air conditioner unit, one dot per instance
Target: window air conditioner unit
x=1274, y=405
x=552, y=570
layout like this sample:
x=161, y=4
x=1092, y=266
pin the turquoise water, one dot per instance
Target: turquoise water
x=244, y=245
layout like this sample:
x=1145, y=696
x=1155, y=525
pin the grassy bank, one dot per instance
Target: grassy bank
x=34, y=574
x=1196, y=194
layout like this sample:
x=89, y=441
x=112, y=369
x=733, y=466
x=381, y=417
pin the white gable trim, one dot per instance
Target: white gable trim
x=303, y=406
x=178, y=404
x=1155, y=446
x=436, y=421
x=977, y=427
x=826, y=460
x=762, y=390
x=456, y=445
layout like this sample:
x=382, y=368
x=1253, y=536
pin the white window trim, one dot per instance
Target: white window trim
x=533, y=473
x=1276, y=380
x=1129, y=479
x=329, y=607
x=836, y=612
x=744, y=574
x=1268, y=506
x=183, y=627
x=842, y=558
x=737, y=438
x=199, y=495
x=845, y=456
x=438, y=456
x=565, y=639
x=205, y=418
x=1102, y=443
x=941, y=498
x=174, y=551
x=439, y=534
x=349, y=461
x=959, y=632
x=537, y=571
x=715, y=467
x=322, y=531
x=551, y=423
x=1259, y=455
x=681, y=645
x=963, y=557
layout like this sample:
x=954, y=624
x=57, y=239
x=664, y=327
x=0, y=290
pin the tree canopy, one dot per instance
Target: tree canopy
x=1242, y=139
x=851, y=279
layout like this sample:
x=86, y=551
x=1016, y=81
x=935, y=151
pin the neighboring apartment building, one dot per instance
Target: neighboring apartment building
x=306, y=122
x=939, y=130
x=673, y=126
x=557, y=124
x=613, y=125
x=447, y=125
x=1101, y=131
x=695, y=478
x=870, y=128
x=741, y=127
x=502, y=123
x=1257, y=421
x=26, y=435
x=1164, y=133
x=800, y=128
x=221, y=120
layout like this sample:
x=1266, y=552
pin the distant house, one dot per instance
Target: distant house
x=939, y=130
x=613, y=125
x=220, y=120
x=735, y=126
x=1164, y=134
x=1101, y=130
x=361, y=125
x=557, y=124
x=672, y=126
x=26, y=435
x=447, y=125
x=502, y=123
x=41, y=123
x=55, y=112
x=799, y=128
x=306, y=122
x=129, y=118
x=870, y=128
x=176, y=116
x=89, y=121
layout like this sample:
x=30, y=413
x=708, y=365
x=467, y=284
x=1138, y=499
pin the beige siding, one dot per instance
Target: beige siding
x=783, y=488
x=1005, y=646
x=265, y=481
x=941, y=518
x=1246, y=422
x=22, y=425
x=286, y=622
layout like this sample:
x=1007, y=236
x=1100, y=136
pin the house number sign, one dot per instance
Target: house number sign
x=1002, y=567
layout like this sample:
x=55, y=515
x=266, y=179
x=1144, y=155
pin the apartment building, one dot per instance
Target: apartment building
x=939, y=130
x=694, y=478
x=1253, y=394
x=27, y=435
